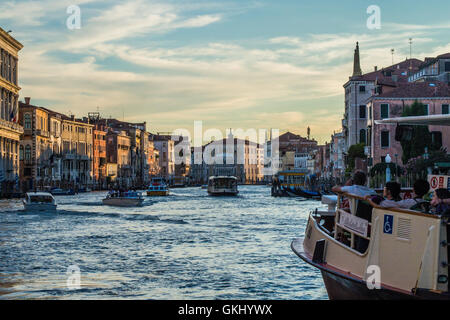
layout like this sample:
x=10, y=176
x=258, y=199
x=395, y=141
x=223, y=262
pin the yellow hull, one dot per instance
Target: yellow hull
x=157, y=193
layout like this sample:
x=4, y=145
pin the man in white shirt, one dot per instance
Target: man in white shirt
x=356, y=186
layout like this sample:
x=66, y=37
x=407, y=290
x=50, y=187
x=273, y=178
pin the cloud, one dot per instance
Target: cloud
x=119, y=62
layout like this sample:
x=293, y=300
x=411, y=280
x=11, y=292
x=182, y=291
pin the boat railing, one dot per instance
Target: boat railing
x=353, y=220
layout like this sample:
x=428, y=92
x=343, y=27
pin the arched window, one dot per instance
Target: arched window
x=27, y=121
x=28, y=153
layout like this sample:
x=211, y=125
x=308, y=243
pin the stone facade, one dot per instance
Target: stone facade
x=10, y=130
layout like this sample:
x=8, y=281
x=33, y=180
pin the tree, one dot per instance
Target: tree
x=355, y=151
x=421, y=136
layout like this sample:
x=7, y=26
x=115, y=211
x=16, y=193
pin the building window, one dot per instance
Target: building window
x=362, y=136
x=385, y=139
x=445, y=109
x=447, y=66
x=28, y=153
x=27, y=121
x=384, y=111
x=425, y=109
x=362, y=88
x=21, y=153
x=362, y=112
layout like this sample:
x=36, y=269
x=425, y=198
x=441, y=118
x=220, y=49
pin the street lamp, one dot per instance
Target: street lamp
x=388, y=170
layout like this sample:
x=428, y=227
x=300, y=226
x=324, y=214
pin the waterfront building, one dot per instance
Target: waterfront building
x=293, y=142
x=433, y=69
x=166, y=148
x=10, y=130
x=55, y=150
x=118, y=153
x=390, y=101
x=337, y=155
x=77, y=141
x=244, y=160
x=99, y=157
x=361, y=86
x=183, y=167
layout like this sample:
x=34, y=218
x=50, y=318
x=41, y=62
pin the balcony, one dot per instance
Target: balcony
x=11, y=126
x=43, y=133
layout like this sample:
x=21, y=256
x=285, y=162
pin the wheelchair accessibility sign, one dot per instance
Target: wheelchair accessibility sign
x=388, y=223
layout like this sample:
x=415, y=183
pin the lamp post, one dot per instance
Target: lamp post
x=388, y=170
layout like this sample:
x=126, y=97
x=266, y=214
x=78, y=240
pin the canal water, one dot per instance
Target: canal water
x=185, y=246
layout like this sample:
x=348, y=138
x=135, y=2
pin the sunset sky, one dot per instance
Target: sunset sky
x=232, y=64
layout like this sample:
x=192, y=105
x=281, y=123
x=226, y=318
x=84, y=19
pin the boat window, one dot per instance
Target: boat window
x=41, y=199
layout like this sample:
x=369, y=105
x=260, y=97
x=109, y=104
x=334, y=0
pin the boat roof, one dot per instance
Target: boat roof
x=436, y=119
x=39, y=194
x=222, y=177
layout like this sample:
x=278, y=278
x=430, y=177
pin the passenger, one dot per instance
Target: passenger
x=441, y=201
x=391, y=194
x=356, y=186
x=420, y=189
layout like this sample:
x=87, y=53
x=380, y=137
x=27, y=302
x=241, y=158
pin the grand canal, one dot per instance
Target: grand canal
x=185, y=246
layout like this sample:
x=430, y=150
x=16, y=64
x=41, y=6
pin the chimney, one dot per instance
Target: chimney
x=376, y=68
x=72, y=117
x=27, y=100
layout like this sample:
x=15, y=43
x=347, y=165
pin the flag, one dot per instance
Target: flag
x=13, y=115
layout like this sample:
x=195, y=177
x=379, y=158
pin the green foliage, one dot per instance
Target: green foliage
x=421, y=136
x=418, y=166
x=380, y=169
x=355, y=151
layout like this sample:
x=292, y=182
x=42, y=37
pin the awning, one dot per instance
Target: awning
x=435, y=120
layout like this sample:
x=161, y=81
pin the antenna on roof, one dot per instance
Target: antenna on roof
x=410, y=48
x=392, y=52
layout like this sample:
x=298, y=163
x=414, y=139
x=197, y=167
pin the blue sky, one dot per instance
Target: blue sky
x=231, y=64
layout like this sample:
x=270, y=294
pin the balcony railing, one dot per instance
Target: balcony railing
x=11, y=126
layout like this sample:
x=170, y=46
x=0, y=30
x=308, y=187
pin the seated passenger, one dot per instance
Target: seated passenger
x=420, y=189
x=441, y=201
x=356, y=186
x=391, y=194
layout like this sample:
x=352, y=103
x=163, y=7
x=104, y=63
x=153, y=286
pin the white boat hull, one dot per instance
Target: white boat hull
x=123, y=202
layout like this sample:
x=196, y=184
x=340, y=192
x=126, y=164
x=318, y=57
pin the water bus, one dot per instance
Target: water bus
x=39, y=201
x=223, y=186
x=294, y=183
x=124, y=199
x=158, y=187
x=371, y=252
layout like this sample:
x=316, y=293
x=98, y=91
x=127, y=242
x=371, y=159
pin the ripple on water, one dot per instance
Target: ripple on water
x=185, y=246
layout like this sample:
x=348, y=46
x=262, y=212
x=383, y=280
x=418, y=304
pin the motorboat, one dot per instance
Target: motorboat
x=61, y=192
x=223, y=186
x=124, y=199
x=158, y=187
x=39, y=201
x=366, y=251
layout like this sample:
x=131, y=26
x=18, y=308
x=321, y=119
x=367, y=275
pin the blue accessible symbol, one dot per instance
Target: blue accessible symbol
x=388, y=223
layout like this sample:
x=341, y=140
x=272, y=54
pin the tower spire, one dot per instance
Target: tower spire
x=356, y=62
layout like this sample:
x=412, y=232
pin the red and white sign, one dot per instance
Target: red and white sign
x=439, y=182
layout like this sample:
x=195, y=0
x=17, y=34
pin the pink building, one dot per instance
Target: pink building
x=390, y=100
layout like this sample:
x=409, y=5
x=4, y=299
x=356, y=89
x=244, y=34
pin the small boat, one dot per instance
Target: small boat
x=61, y=192
x=223, y=186
x=205, y=186
x=126, y=199
x=294, y=183
x=39, y=201
x=158, y=187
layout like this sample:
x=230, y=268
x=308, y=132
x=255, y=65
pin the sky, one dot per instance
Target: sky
x=230, y=64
